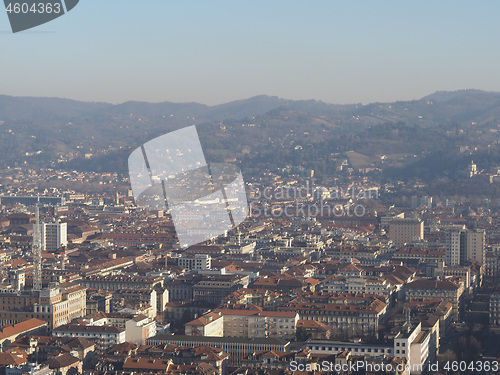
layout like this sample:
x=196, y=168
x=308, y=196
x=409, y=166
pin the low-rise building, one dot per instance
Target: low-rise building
x=103, y=336
x=210, y=324
x=10, y=333
x=237, y=347
x=138, y=328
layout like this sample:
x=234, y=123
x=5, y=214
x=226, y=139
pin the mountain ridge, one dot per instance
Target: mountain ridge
x=65, y=133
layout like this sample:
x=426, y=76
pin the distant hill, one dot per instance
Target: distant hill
x=64, y=133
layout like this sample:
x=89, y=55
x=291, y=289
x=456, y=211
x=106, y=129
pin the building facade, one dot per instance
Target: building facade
x=406, y=230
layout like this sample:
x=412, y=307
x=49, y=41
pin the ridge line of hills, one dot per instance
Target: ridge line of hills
x=64, y=133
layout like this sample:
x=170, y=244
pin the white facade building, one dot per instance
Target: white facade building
x=103, y=336
x=54, y=235
x=196, y=262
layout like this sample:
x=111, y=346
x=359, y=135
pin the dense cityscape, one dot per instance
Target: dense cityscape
x=328, y=274
x=249, y=187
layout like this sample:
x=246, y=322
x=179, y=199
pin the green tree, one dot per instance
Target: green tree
x=302, y=334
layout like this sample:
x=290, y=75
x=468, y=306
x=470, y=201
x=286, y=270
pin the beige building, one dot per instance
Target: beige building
x=10, y=333
x=118, y=282
x=56, y=305
x=464, y=246
x=462, y=272
x=211, y=324
x=138, y=328
x=349, y=284
x=476, y=241
x=348, y=320
x=76, y=297
x=406, y=230
x=249, y=323
x=103, y=336
x=137, y=297
x=258, y=323
x=441, y=289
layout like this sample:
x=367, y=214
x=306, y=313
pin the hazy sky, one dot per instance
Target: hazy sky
x=214, y=51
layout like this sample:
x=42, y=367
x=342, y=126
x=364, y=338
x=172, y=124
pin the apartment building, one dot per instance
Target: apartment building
x=238, y=348
x=138, y=328
x=57, y=304
x=441, y=289
x=257, y=323
x=326, y=347
x=211, y=324
x=54, y=235
x=349, y=284
x=494, y=311
x=405, y=230
x=195, y=262
x=251, y=323
x=76, y=297
x=464, y=246
x=117, y=282
x=347, y=319
x=214, y=288
x=137, y=297
x=103, y=336
x=423, y=255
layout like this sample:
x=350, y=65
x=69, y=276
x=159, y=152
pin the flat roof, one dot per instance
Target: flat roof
x=236, y=340
x=387, y=345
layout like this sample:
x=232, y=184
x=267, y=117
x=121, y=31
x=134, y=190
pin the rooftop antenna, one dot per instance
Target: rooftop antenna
x=37, y=252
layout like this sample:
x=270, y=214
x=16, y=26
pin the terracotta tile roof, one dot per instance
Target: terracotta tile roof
x=125, y=347
x=146, y=364
x=19, y=328
x=78, y=343
x=61, y=361
x=211, y=354
x=432, y=284
x=13, y=357
x=83, y=328
x=205, y=319
x=312, y=324
x=277, y=314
